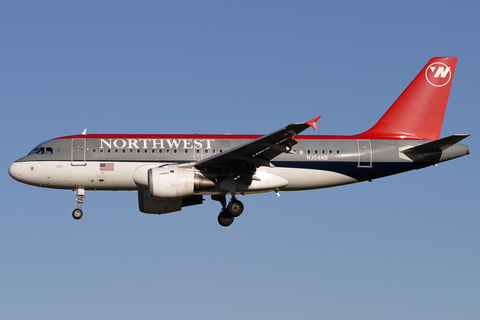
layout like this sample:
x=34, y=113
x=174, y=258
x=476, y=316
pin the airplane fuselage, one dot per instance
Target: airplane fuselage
x=121, y=162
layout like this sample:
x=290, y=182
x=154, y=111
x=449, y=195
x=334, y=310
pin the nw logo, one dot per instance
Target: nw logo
x=438, y=74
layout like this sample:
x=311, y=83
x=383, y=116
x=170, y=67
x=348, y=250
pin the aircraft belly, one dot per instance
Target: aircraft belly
x=108, y=176
x=92, y=176
x=267, y=181
x=304, y=179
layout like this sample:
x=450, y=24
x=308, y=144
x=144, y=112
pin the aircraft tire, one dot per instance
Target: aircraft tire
x=235, y=208
x=225, y=219
x=77, y=214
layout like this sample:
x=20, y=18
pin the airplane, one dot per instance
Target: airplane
x=170, y=172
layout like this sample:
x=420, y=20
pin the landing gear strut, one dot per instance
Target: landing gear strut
x=78, y=213
x=228, y=213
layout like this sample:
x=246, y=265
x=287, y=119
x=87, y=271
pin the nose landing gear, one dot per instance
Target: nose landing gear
x=228, y=213
x=77, y=213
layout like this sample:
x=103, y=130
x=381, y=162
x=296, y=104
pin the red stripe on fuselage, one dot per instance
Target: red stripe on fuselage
x=227, y=137
x=160, y=136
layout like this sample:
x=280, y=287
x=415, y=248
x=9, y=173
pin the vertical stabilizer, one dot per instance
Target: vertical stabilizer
x=418, y=112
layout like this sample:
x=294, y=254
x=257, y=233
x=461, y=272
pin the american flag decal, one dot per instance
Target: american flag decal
x=106, y=166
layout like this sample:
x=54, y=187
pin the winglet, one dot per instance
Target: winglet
x=313, y=123
x=84, y=132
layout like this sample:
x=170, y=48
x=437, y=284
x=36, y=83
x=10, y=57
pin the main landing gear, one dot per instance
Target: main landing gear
x=228, y=213
x=77, y=213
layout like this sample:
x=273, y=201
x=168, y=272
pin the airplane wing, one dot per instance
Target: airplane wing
x=242, y=161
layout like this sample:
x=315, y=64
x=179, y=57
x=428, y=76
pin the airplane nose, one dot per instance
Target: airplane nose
x=15, y=171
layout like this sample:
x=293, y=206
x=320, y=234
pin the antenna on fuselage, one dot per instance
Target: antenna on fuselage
x=84, y=131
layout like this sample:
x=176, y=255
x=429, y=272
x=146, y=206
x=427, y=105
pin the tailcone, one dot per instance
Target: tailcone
x=456, y=151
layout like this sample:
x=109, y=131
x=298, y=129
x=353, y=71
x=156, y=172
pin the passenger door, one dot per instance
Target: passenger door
x=78, y=152
x=364, y=154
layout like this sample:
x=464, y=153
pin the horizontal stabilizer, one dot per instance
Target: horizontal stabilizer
x=437, y=145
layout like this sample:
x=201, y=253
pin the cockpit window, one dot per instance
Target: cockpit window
x=42, y=150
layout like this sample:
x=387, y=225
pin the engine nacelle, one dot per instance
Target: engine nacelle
x=173, y=182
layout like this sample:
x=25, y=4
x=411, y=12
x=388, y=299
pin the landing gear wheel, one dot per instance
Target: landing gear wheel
x=235, y=208
x=225, y=219
x=77, y=214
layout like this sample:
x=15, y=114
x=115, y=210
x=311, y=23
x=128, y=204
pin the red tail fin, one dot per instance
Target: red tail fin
x=418, y=112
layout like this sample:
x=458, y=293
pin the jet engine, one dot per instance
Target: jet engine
x=174, y=182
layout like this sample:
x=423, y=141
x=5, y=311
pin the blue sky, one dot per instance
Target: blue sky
x=402, y=247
